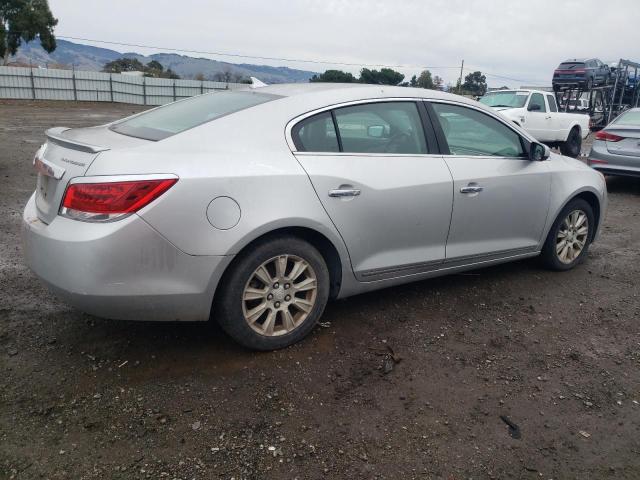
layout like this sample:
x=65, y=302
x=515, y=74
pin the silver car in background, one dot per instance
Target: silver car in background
x=616, y=148
x=256, y=207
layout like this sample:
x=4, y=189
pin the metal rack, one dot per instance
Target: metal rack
x=608, y=101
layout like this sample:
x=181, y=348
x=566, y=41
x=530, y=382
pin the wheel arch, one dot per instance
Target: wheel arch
x=574, y=125
x=591, y=197
x=327, y=248
x=594, y=202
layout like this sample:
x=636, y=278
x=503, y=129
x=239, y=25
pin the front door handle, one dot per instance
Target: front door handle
x=344, y=192
x=471, y=189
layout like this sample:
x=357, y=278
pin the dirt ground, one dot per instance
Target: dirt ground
x=409, y=382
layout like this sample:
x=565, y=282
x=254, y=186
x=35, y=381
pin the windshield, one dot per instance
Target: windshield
x=629, y=118
x=185, y=114
x=505, y=99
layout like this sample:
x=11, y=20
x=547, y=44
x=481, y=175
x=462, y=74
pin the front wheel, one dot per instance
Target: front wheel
x=274, y=294
x=573, y=145
x=568, y=240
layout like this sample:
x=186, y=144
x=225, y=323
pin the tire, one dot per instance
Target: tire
x=573, y=145
x=551, y=257
x=589, y=84
x=259, y=320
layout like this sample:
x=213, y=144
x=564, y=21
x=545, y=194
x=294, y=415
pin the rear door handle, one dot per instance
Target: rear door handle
x=471, y=189
x=344, y=192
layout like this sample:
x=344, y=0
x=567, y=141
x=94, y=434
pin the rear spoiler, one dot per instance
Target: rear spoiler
x=55, y=135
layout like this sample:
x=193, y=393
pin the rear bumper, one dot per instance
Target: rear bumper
x=122, y=270
x=569, y=82
x=611, y=164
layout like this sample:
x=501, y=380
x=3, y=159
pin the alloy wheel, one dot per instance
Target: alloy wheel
x=572, y=236
x=279, y=295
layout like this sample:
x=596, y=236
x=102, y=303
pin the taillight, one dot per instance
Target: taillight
x=108, y=201
x=609, y=137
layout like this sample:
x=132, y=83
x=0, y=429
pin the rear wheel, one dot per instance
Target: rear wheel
x=589, y=85
x=573, y=145
x=568, y=240
x=274, y=294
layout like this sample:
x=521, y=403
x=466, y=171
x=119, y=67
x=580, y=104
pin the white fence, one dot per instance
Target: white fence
x=46, y=84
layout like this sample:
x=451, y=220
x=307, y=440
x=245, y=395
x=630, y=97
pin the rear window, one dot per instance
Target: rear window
x=571, y=65
x=628, y=118
x=177, y=117
x=505, y=99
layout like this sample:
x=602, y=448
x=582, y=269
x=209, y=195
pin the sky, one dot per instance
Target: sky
x=513, y=42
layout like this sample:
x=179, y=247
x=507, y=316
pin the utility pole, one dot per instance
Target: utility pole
x=460, y=80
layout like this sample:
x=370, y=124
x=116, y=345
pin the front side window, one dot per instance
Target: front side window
x=177, y=117
x=472, y=133
x=315, y=134
x=385, y=127
x=537, y=99
x=553, y=106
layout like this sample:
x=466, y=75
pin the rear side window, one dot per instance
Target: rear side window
x=553, y=106
x=537, y=99
x=177, y=117
x=316, y=134
x=385, y=127
x=472, y=133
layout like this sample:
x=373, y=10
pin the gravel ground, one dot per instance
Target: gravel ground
x=409, y=382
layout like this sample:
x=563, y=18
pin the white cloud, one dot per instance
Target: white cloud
x=523, y=40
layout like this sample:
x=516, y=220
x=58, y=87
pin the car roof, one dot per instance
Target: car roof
x=355, y=91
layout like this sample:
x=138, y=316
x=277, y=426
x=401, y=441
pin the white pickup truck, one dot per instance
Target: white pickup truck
x=537, y=112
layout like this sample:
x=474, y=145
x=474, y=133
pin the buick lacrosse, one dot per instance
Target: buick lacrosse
x=256, y=207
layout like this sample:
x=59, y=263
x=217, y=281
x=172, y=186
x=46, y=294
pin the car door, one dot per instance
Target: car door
x=387, y=193
x=538, y=121
x=555, y=121
x=501, y=197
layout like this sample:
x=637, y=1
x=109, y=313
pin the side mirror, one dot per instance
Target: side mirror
x=534, y=108
x=538, y=152
x=375, y=131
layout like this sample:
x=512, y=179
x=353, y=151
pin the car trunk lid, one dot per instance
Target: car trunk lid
x=69, y=153
x=630, y=143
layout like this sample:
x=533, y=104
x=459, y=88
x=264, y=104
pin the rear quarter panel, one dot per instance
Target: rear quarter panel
x=243, y=156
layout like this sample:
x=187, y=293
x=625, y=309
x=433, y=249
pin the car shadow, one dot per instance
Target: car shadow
x=623, y=185
x=176, y=349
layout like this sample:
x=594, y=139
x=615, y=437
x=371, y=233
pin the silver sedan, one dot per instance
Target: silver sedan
x=616, y=148
x=256, y=207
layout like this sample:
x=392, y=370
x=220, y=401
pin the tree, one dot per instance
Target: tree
x=334, y=76
x=413, y=82
x=155, y=65
x=475, y=84
x=425, y=80
x=124, y=65
x=168, y=73
x=152, y=69
x=438, y=83
x=23, y=21
x=385, y=76
x=199, y=76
